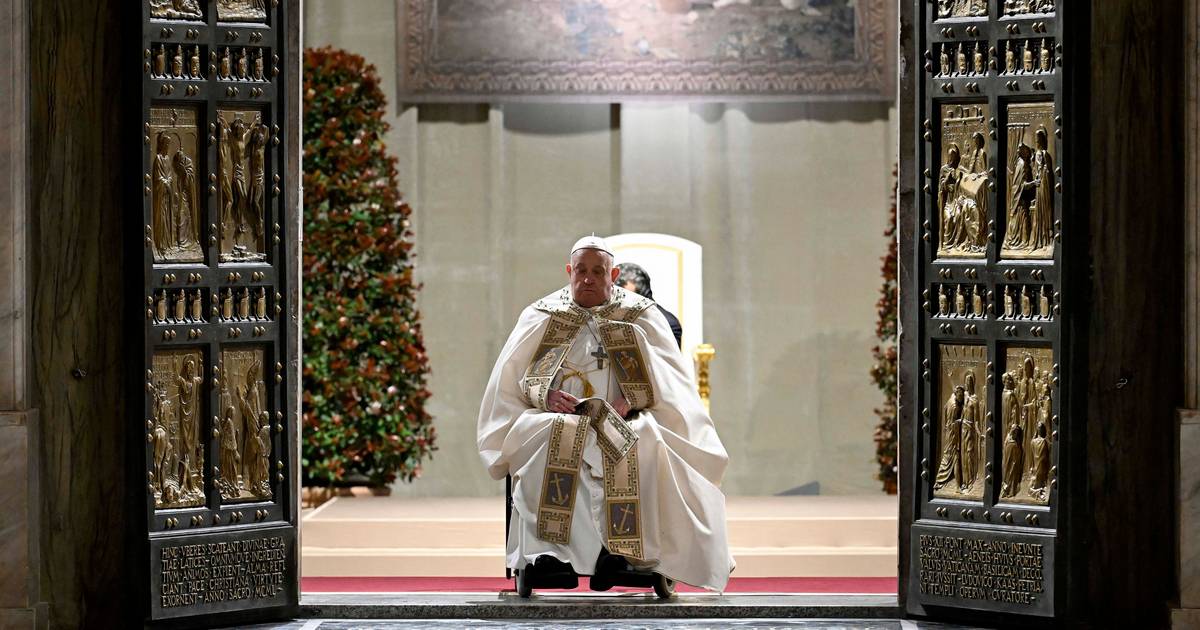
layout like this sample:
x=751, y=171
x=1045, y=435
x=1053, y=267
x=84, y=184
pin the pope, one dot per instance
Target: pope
x=616, y=465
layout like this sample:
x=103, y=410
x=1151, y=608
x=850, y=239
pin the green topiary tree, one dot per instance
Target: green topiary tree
x=883, y=371
x=365, y=367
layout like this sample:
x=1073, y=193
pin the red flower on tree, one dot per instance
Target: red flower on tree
x=883, y=371
x=365, y=367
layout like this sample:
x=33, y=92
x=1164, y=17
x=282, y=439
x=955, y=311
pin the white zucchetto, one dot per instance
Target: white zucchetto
x=591, y=242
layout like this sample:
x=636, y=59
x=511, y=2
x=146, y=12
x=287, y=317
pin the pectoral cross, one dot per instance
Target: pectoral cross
x=600, y=355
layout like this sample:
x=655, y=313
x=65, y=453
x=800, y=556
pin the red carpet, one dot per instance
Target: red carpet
x=492, y=585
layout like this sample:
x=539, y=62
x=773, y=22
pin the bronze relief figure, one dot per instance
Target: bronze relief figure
x=176, y=9
x=1029, y=225
x=245, y=427
x=177, y=474
x=242, y=10
x=242, y=153
x=961, y=430
x=964, y=183
x=1027, y=411
x=174, y=191
x=961, y=8
x=1023, y=7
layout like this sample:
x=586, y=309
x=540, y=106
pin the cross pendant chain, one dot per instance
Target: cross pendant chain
x=600, y=356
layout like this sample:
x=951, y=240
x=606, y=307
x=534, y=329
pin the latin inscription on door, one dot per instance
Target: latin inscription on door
x=984, y=570
x=221, y=572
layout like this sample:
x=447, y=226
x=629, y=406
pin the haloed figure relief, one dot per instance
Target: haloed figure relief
x=1029, y=224
x=245, y=429
x=242, y=10
x=242, y=144
x=174, y=198
x=176, y=9
x=961, y=430
x=1027, y=413
x=964, y=181
x=174, y=389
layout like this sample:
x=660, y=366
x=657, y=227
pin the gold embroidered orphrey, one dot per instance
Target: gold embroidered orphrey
x=614, y=436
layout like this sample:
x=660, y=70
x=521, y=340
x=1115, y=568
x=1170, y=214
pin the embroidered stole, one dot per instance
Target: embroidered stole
x=614, y=436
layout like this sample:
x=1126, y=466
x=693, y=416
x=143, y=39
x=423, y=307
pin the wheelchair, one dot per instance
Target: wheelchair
x=611, y=570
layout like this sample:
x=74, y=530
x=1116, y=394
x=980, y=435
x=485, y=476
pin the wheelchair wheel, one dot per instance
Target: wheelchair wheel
x=524, y=585
x=664, y=586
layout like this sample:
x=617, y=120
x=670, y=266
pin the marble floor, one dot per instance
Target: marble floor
x=600, y=624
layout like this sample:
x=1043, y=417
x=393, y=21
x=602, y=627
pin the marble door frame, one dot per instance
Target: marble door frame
x=20, y=605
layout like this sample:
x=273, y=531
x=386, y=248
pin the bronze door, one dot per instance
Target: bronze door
x=216, y=428
x=990, y=290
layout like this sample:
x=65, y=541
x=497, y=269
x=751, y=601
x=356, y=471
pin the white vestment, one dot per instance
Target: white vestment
x=680, y=459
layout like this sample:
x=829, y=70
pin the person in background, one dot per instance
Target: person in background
x=634, y=278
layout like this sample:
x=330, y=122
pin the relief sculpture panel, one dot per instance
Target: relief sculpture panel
x=176, y=307
x=242, y=10
x=175, y=62
x=961, y=60
x=244, y=426
x=961, y=8
x=1029, y=222
x=1025, y=7
x=242, y=143
x=175, y=402
x=176, y=9
x=1027, y=416
x=241, y=64
x=175, y=210
x=1031, y=302
x=962, y=393
x=962, y=300
x=1027, y=56
x=964, y=182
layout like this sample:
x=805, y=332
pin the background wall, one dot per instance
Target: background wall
x=788, y=200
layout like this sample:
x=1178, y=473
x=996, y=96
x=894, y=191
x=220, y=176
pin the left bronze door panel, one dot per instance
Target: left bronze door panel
x=212, y=458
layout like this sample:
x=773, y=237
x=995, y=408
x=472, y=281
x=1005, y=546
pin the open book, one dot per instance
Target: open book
x=614, y=436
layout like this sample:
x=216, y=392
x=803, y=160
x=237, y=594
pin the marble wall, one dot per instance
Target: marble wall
x=788, y=200
x=1188, y=615
x=19, y=549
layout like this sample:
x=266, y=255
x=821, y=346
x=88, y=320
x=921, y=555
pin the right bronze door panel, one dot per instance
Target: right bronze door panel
x=986, y=531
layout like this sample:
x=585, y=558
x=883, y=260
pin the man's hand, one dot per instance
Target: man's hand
x=621, y=406
x=560, y=401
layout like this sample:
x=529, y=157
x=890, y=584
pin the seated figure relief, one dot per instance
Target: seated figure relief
x=962, y=200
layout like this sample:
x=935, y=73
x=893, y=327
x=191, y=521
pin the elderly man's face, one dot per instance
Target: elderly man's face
x=592, y=276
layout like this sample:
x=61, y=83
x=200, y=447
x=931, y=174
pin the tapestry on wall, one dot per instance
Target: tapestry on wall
x=616, y=50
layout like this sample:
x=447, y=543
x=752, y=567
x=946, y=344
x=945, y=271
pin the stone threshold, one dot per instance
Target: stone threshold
x=507, y=605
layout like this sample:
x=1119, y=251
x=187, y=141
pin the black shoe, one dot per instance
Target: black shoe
x=613, y=570
x=607, y=566
x=550, y=572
